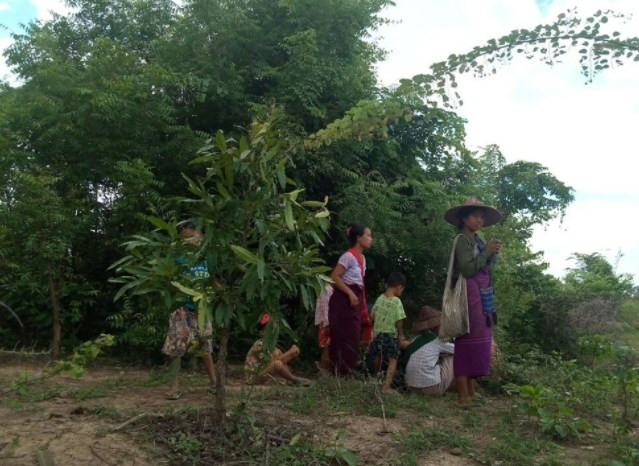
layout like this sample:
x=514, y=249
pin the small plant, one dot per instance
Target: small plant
x=13, y=404
x=550, y=408
x=21, y=384
x=339, y=452
x=187, y=446
x=626, y=372
x=630, y=457
x=594, y=348
x=83, y=355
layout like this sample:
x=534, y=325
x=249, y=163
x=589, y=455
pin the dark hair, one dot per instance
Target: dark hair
x=186, y=225
x=260, y=326
x=465, y=212
x=354, y=231
x=395, y=279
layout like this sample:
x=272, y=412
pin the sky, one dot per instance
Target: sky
x=585, y=134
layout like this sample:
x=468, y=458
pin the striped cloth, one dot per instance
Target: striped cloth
x=423, y=369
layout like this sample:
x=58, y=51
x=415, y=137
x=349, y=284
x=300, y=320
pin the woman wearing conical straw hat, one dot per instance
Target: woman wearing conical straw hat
x=474, y=260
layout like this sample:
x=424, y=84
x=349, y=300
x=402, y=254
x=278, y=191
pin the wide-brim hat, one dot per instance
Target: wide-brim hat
x=492, y=215
x=428, y=318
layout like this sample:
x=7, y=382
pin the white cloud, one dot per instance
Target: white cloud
x=4, y=69
x=45, y=8
x=595, y=225
x=585, y=134
x=4, y=6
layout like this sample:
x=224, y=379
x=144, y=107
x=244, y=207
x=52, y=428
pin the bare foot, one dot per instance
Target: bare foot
x=302, y=381
x=295, y=349
x=389, y=390
x=466, y=403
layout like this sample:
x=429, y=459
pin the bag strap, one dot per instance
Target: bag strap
x=451, y=262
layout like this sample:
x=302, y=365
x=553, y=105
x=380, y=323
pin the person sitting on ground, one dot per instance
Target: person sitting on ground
x=260, y=366
x=388, y=314
x=429, y=369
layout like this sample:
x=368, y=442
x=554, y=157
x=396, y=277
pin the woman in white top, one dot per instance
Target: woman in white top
x=347, y=312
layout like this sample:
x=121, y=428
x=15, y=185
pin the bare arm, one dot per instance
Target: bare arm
x=399, y=325
x=336, y=276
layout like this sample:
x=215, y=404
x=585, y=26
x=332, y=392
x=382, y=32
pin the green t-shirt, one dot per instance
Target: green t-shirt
x=387, y=312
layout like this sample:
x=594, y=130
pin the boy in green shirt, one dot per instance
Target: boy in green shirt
x=388, y=335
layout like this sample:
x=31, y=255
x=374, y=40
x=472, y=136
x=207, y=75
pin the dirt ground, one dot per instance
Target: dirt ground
x=69, y=421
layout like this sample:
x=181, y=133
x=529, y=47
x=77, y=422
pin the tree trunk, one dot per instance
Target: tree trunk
x=220, y=373
x=55, y=309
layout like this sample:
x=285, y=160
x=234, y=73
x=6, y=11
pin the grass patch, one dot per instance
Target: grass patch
x=98, y=391
x=157, y=378
x=339, y=396
x=422, y=441
x=45, y=395
x=193, y=439
x=473, y=420
x=513, y=449
x=106, y=411
x=12, y=403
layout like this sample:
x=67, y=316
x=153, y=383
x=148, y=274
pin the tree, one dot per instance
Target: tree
x=35, y=244
x=117, y=95
x=261, y=242
x=594, y=277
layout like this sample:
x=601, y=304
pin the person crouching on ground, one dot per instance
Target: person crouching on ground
x=388, y=315
x=260, y=366
x=430, y=361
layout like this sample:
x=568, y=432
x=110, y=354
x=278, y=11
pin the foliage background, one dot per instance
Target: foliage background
x=117, y=97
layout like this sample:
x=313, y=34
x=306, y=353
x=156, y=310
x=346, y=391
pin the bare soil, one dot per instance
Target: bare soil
x=71, y=420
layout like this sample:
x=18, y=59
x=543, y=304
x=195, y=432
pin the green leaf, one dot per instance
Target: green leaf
x=294, y=194
x=322, y=214
x=313, y=204
x=125, y=288
x=244, y=254
x=161, y=224
x=281, y=177
x=188, y=291
x=561, y=430
x=220, y=141
x=117, y=263
x=222, y=190
x=295, y=440
x=288, y=217
x=349, y=457
x=229, y=173
x=222, y=313
x=305, y=298
x=260, y=269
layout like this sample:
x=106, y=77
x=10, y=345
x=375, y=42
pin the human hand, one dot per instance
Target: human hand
x=493, y=246
x=353, y=299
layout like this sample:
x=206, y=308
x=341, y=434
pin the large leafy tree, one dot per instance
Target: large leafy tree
x=116, y=97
